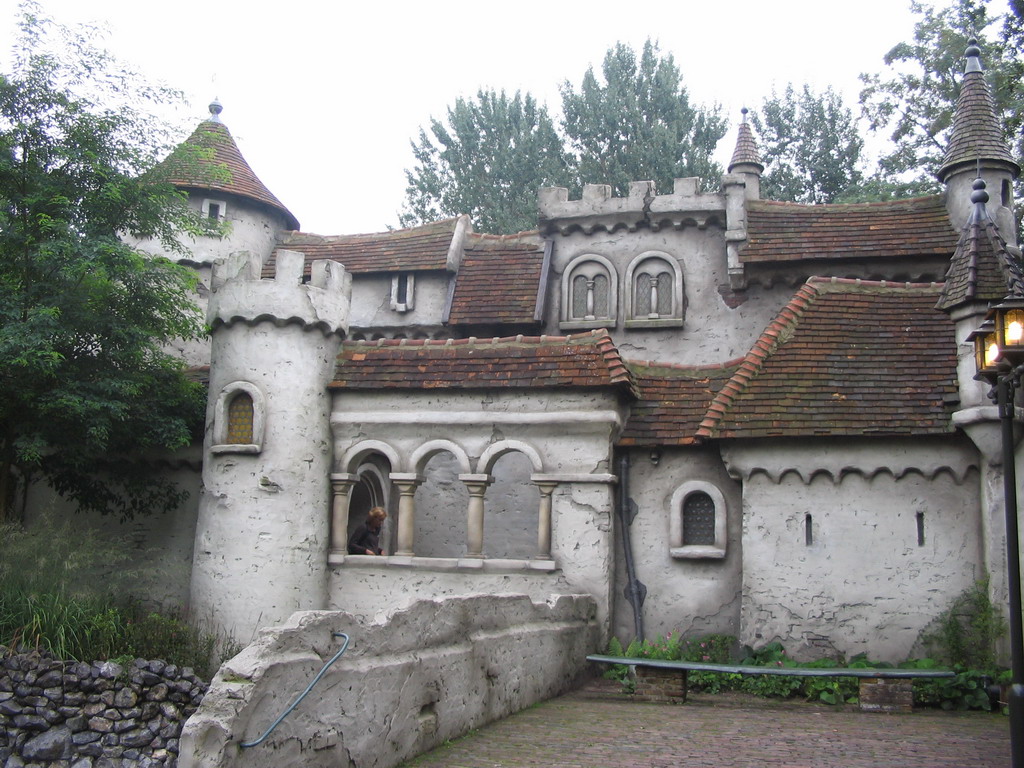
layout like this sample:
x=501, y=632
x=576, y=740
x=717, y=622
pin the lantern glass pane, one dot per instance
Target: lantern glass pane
x=1013, y=328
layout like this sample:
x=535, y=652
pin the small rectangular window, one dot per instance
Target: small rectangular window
x=213, y=212
x=403, y=291
x=920, y=529
x=808, y=530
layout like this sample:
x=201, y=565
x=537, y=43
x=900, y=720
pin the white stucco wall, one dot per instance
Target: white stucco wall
x=864, y=583
x=158, y=546
x=696, y=596
x=371, y=302
x=712, y=332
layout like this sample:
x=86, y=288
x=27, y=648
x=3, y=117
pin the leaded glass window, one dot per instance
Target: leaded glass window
x=240, y=417
x=698, y=519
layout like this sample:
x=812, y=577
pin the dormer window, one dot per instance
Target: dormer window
x=214, y=210
x=403, y=286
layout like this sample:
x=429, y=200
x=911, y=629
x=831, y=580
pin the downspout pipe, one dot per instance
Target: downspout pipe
x=635, y=590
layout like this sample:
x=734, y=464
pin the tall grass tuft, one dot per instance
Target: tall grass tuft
x=69, y=592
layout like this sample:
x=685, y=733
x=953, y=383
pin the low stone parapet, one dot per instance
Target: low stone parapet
x=410, y=680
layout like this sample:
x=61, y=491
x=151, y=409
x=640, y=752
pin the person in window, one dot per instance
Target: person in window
x=365, y=539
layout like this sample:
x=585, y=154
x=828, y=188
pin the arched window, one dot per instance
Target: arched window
x=238, y=419
x=589, y=293
x=655, y=296
x=697, y=521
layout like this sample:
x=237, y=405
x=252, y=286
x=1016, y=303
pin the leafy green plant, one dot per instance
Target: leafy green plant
x=965, y=634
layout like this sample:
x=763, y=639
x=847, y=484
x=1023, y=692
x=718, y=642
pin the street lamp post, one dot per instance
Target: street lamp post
x=999, y=357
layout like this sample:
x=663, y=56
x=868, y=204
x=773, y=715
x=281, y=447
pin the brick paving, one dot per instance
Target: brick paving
x=581, y=730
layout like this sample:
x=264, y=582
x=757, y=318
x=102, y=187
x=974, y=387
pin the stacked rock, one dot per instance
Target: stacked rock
x=75, y=715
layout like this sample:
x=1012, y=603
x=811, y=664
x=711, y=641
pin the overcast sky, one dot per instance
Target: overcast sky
x=323, y=98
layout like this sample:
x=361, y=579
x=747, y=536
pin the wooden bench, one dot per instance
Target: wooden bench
x=881, y=690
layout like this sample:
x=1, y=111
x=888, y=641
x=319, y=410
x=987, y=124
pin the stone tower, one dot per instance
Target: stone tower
x=262, y=535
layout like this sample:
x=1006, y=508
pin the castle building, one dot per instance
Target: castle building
x=710, y=411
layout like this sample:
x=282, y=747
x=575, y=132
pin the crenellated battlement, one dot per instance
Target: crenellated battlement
x=240, y=294
x=597, y=209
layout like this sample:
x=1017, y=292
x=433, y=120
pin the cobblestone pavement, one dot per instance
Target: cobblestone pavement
x=581, y=731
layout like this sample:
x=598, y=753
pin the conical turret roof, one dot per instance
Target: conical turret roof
x=982, y=268
x=976, y=133
x=746, y=148
x=209, y=159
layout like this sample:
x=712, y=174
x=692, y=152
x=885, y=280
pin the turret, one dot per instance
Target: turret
x=262, y=534
x=977, y=149
x=746, y=161
x=981, y=273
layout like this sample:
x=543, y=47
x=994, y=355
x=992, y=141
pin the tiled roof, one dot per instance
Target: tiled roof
x=673, y=401
x=582, y=360
x=498, y=280
x=981, y=269
x=976, y=131
x=209, y=159
x=417, y=248
x=844, y=358
x=790, y=231
x=746, y=147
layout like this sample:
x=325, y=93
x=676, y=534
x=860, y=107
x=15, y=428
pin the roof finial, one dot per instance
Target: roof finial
x=743, y=111
x=215, y=110
x=973, y=54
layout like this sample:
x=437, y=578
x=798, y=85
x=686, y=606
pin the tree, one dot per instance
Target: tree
x=810, y=146
x=639, y=123
x=494, y=152
x=488, y=161
x=87, y=388
x=916, y=100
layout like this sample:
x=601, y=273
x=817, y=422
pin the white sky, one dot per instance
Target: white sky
x=323, y=98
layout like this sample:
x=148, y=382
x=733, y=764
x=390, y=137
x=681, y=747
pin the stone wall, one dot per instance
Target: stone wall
x=410, y=680
x=77, y=715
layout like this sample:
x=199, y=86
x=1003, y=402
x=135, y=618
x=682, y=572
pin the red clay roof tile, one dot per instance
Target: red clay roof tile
x=582, y=360
x=673, y=401
x=401, y=250
x=499, y=280
x=849, y=358
x=209, y=159
x=778, y=232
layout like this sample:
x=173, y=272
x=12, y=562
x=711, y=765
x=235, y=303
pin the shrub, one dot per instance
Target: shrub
x=965, y=634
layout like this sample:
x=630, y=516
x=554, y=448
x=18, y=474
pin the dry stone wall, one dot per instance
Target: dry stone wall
x=76, y=715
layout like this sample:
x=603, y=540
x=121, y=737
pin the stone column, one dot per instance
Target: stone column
x=407, y=483
x=477, y=486
x=547, y=488
x=341, y=497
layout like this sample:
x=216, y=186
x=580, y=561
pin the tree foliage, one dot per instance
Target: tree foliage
x=810, y=146
x=86, y=385
x=491, y=155
x=638, y=123
x=488, y=161
x=915, y=99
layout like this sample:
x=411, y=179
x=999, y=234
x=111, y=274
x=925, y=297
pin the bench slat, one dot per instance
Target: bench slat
x=740, y=669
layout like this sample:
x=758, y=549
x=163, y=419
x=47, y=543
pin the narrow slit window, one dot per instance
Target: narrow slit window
x=808, y=530
x=920, y=529
x=402, y=290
